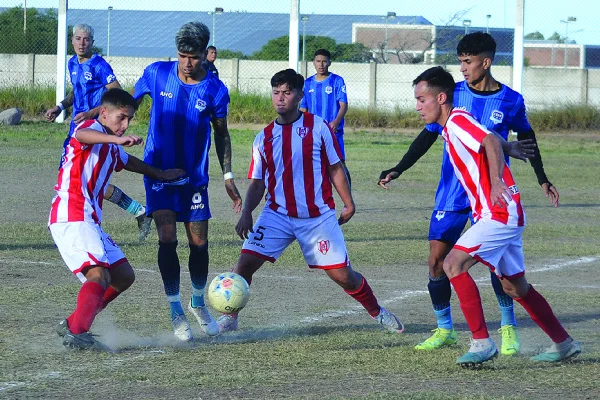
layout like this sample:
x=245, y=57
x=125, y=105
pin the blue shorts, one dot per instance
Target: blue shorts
x=339, y=135
x=448, y=225
x=190, y=204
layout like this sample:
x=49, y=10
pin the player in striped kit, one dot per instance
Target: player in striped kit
x=496, y=238
x=90, y=156
x=185, y=101
x=501, y=110
x=296, y=159
x=325, y=96
x=91, y=76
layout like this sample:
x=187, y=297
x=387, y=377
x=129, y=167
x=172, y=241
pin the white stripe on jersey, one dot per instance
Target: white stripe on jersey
x=293, y=159
x=83, y=176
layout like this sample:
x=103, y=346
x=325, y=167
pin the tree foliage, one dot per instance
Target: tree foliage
x=38, y=38
x=534, y=36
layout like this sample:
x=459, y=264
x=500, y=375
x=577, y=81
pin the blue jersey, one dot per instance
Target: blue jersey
x=323, y=98
x=89, y=80
x=500, y=111
x=179, y=132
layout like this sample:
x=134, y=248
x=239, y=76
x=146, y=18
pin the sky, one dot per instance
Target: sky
x=540, y=15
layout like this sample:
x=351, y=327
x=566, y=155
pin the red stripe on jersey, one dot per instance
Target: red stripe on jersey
x=268, y=148
x=288, y=171
x=54, y=209
x=499, y=214
x=466, y=125
x=92, y=183
x=471, y=186
x=76, y=202
x=510, y=181
x=326, y=184
x=251, y=169
x=307, y=162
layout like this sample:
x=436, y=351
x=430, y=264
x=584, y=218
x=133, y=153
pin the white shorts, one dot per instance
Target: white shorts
x=496, y=245
x=320, y=238
x=84, y=244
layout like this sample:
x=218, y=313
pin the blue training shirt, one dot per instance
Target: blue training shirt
x=89, y=80
x=179, y=132
x=323, y=98
x=500, y=111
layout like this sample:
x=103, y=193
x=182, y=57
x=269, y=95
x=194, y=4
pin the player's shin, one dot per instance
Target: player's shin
x=505, y=302
x=89, y=301
x=470, y=304
x=168, y=264
x=541, y=313
x=440, y=293
x=364, y=295
x=198, y=265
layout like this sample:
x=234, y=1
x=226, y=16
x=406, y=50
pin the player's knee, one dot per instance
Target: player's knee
x=98, y=274
x=451, y=268
x=436, y=265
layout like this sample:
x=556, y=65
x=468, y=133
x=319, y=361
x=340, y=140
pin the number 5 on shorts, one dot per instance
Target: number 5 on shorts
x=259, y=234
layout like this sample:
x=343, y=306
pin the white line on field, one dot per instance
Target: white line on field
x=28, y=262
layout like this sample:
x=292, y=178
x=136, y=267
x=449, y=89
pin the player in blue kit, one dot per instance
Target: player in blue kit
x=185, y=100
x=325, y=96
x=91, y=76
x=500, y=109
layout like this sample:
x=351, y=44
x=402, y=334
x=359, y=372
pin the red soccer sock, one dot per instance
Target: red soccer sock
x=364, y=295
x=470, y=304
x=109, y=295
x=541, y=313
x=89, y=301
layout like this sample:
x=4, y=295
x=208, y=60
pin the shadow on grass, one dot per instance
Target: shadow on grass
x=25, y=246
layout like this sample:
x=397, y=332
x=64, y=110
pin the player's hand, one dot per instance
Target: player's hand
x=170, y=174
x=83, y=116
x=500, y=193
x=522, y=149
x=551, y=192
x=52, y=113
x=129, y=140
x=244, y=225
x=234, y=195
x=334, y=125
x=346, y=214
x=386, y=178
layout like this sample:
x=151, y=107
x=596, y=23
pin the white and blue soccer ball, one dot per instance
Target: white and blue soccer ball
x=228, y=293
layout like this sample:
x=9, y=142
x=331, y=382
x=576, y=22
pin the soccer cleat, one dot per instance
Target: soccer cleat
x=206, y=321
x=62, y=328
x=510, y=340
x=480, y=351
x=389, y=321
x=559, y=352
x=82, y=341
x=227, y=323
x=143, y=222
x=441, y=337
x=181, y=328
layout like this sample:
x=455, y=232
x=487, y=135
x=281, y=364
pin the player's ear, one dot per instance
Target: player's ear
x=441, y=98
x=487, y=63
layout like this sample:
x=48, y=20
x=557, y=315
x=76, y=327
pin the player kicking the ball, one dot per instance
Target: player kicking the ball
x=296, y=159
x=91, y=154
x=496, y=239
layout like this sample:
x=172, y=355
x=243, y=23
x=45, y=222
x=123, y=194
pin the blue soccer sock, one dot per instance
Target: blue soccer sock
x=168, y=264
x=505, y=302
x=440, y=292
x=198, y=265
x=126, y=203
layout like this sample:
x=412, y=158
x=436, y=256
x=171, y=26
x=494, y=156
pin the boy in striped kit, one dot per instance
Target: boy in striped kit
x=496, y=238
x=90, y=156
x=296, y=160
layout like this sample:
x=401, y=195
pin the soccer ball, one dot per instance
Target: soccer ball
x=228, y=293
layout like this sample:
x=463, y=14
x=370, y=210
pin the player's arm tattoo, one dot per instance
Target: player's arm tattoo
x=222, y=143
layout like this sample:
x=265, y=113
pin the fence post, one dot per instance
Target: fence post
x=584, y=86
x=31, y=69
x=235, y=74
x=373, y=84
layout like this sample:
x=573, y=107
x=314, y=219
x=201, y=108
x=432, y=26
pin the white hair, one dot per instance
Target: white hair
x=192, y=38
x=85, y=28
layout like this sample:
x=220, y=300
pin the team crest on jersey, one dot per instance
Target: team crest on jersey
x=87, y=76
x=200, y=105
x=514, y=189
x=440, y=215
x=497, y=116
x=302, y=131
x=343, y=88
x=328, y=90
x=323, y=246
x=110, y=78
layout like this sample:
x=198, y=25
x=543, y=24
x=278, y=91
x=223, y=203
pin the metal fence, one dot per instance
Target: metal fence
x=377, y=55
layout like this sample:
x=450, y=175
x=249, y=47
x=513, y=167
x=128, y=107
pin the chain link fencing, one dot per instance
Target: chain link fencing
x=377, y=55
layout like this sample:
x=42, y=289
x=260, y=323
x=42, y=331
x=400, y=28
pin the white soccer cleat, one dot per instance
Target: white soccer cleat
x=206, y=321
x=389, y=321
x=181, y=328
x=227, y=323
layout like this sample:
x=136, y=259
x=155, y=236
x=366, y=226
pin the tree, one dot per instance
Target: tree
x=39, y=38
x=274, y=49
x=556, y=36
x=352, y=52
x=229, y=54
x=534, y=36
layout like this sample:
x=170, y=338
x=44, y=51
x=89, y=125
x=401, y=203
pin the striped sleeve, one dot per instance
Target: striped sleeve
x=468, y=131
x=257, y=170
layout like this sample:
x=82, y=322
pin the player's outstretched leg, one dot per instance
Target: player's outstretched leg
x=198, y=265
x=511, y=344
x=168, y=264
x=116, y=196
x=563, y=347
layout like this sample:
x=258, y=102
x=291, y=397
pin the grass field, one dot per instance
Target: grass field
x=300, y=336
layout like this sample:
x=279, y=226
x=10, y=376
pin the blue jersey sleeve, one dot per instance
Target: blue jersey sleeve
x=144, y=85
x=519, y=121
x=340, y=89
x=221, y=102
x=105, y=72
x=435, y=127
x=303, y=103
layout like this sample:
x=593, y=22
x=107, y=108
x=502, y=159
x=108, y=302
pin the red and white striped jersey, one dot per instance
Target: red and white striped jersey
x=292, y=159
x=84, y=173
x=464, y=135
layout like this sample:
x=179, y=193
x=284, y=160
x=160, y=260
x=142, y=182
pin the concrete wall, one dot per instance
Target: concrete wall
x=382, y=85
